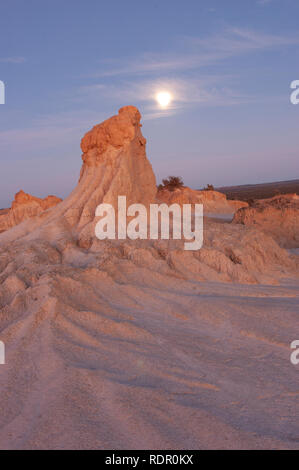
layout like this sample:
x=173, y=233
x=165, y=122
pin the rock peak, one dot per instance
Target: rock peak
x=115, y=132
x=114, y=164
x=130, y=112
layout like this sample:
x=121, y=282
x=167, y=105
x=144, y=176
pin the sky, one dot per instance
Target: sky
x=228, y=65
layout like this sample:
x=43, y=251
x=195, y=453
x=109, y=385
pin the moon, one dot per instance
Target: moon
x=163, y=99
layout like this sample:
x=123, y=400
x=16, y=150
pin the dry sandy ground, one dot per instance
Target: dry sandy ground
x=126, y=358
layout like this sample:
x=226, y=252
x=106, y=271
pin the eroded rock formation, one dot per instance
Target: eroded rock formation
x=115, y=151
x=114, y=164
x=24, y=207
x=213, y=201
x=277, y=216
x=122, y=343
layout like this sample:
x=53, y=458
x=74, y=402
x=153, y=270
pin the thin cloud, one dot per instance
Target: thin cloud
x=202, y=52
x=237, y=41
x=150, y=63
x=42, y=131
x=263, y=2
x=186, y=93
x=138, y=80
x=12, y=60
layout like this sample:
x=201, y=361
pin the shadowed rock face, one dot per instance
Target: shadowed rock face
x=277, y=216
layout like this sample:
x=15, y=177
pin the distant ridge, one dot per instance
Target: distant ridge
x=260, y=191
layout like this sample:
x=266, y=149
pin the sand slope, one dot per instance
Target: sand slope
x=129, y=358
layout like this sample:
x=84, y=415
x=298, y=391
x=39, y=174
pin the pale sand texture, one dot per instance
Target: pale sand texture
x=127, y=358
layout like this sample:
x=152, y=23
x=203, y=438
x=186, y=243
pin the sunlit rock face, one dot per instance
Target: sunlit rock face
x=213, y=201
x=277, y=216
x=115, y=164
x=115, y=150
x=24, y=207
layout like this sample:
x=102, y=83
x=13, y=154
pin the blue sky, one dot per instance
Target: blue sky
x=67, y=65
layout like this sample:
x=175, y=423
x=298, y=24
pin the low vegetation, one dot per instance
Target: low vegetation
x=171, y=183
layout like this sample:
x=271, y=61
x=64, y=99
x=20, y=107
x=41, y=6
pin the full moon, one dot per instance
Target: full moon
x=163, y=98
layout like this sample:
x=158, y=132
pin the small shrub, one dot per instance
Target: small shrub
x=171, y=183
x=209, y=187
x=250, y=202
